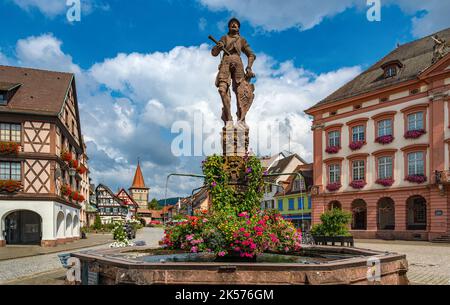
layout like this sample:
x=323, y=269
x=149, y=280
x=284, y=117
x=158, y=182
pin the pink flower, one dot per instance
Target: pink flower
x=194, y=249
x=247, y=234
x=221, y=253
x=189, y=237
x=286, y=249
x=356, y=145
x=332, y=149
x=242, y=229
x=237, y=249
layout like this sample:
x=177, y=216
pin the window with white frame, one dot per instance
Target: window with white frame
x=10, y=132
x=358, y=170
x=358, y=134
x=334, y=139
x=385, y=168
x=385, y=128
x=334, y=173
x=416, y=163
x=415, y=121
x=299, y=184
x=10, y=171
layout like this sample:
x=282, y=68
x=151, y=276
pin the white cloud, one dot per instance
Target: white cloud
x=305, y=14
x=128, y=104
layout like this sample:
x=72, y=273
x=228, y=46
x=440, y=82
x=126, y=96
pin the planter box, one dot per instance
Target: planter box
x=342, y=240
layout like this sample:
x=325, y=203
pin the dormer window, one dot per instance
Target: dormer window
x=3, y=99
x=391, y=68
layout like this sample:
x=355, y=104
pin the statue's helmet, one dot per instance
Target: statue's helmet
x=234, y=20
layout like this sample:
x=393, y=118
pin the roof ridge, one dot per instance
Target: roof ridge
x=36, y=69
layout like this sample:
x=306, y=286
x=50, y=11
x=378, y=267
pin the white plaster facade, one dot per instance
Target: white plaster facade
x=58, y=221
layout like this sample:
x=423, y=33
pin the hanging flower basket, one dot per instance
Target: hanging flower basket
x=66, y=190
x=358, y=184
x=66, y=156
x=332, y=149
x=81, y=169
x=333, y=187
x=7, y=148
x=385, y=139
x=74, y=164
x=414, y=134
x=385, y=182
x=10, y=186
x=419, y=179
x=356, y=145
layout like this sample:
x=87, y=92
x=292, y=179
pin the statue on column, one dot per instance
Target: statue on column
x=232, y=73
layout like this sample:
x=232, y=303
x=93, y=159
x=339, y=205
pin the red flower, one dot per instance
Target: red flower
x=332, y=149
x=7, y=148
x=356, y=145
x=332, y=187
x=358, y=184
x=414, y=134
x=384, y=139
x=385, y=182
x=66, y=156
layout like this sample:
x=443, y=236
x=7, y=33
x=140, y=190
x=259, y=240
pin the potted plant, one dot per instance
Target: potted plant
x=358, y=184
x=419, y=179
x=332, y=149
x=7, y=148
x=333, y=227
x=333, y=187
x=66, y=156
x=386, y=182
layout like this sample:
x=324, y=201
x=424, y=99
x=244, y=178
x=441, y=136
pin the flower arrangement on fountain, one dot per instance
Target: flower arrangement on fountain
x=386, y=182
x=384, y=140
x=356, y=145
x=10, y=186
x=414, y=134
x=332, y=149
x=419, y=179
x=234, y=226
x=358, y=184
x=7, y=148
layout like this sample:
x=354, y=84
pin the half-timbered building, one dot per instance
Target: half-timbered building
x=110, y=207
x=43, y=161
x=132, y=204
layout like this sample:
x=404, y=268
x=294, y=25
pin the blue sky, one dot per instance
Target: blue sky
x=142, y=65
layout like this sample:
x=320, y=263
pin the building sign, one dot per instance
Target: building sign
x=438, y=213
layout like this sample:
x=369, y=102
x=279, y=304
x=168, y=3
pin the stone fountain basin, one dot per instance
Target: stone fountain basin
x=348, y=266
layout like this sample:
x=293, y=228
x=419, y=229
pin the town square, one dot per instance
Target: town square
x=251, y=143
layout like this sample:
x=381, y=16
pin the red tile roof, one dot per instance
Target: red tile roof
x=138, y=181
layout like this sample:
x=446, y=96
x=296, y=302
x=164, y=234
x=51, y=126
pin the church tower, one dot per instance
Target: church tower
x=138, y=191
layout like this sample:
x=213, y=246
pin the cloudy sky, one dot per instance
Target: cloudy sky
x=142, y=65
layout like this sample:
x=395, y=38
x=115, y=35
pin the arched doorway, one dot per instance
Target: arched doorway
x=386, y=214
x=76, y=226
x=334, y=205
x=60, y=229
x=69, y=225
x=23, y=228
x=359, y=211
x=417, y=213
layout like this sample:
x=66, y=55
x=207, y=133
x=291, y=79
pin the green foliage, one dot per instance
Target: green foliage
x=153, y=205
x=334, y=223
x=119, y=233
x=227, y=198
x=98, y=222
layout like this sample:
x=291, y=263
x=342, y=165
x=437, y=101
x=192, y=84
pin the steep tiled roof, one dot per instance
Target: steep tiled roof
x=138, y=181
x=307, y=175
x=40, y=92
x=415, y=58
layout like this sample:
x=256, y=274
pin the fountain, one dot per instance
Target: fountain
x=234, y=242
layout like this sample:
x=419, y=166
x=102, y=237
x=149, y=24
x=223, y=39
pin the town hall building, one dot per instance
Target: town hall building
x=382, y=145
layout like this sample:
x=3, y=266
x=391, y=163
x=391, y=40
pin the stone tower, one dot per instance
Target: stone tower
x=138, y=191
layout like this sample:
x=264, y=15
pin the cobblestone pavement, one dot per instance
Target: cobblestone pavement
x=46, y=269
x=429, y=264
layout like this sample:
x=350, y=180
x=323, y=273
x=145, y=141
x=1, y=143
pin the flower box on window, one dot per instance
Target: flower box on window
x=333, y=187
x=81, y=169
x=332, y=149
x=7, y=148
x=10, y=186
x=419, y=179
x=414, y=134
x=66, y=190
x=66, y=156
x=385, y=139
x=358, y=184
x=385, y=182
x=356, y=145
x=74, y=164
